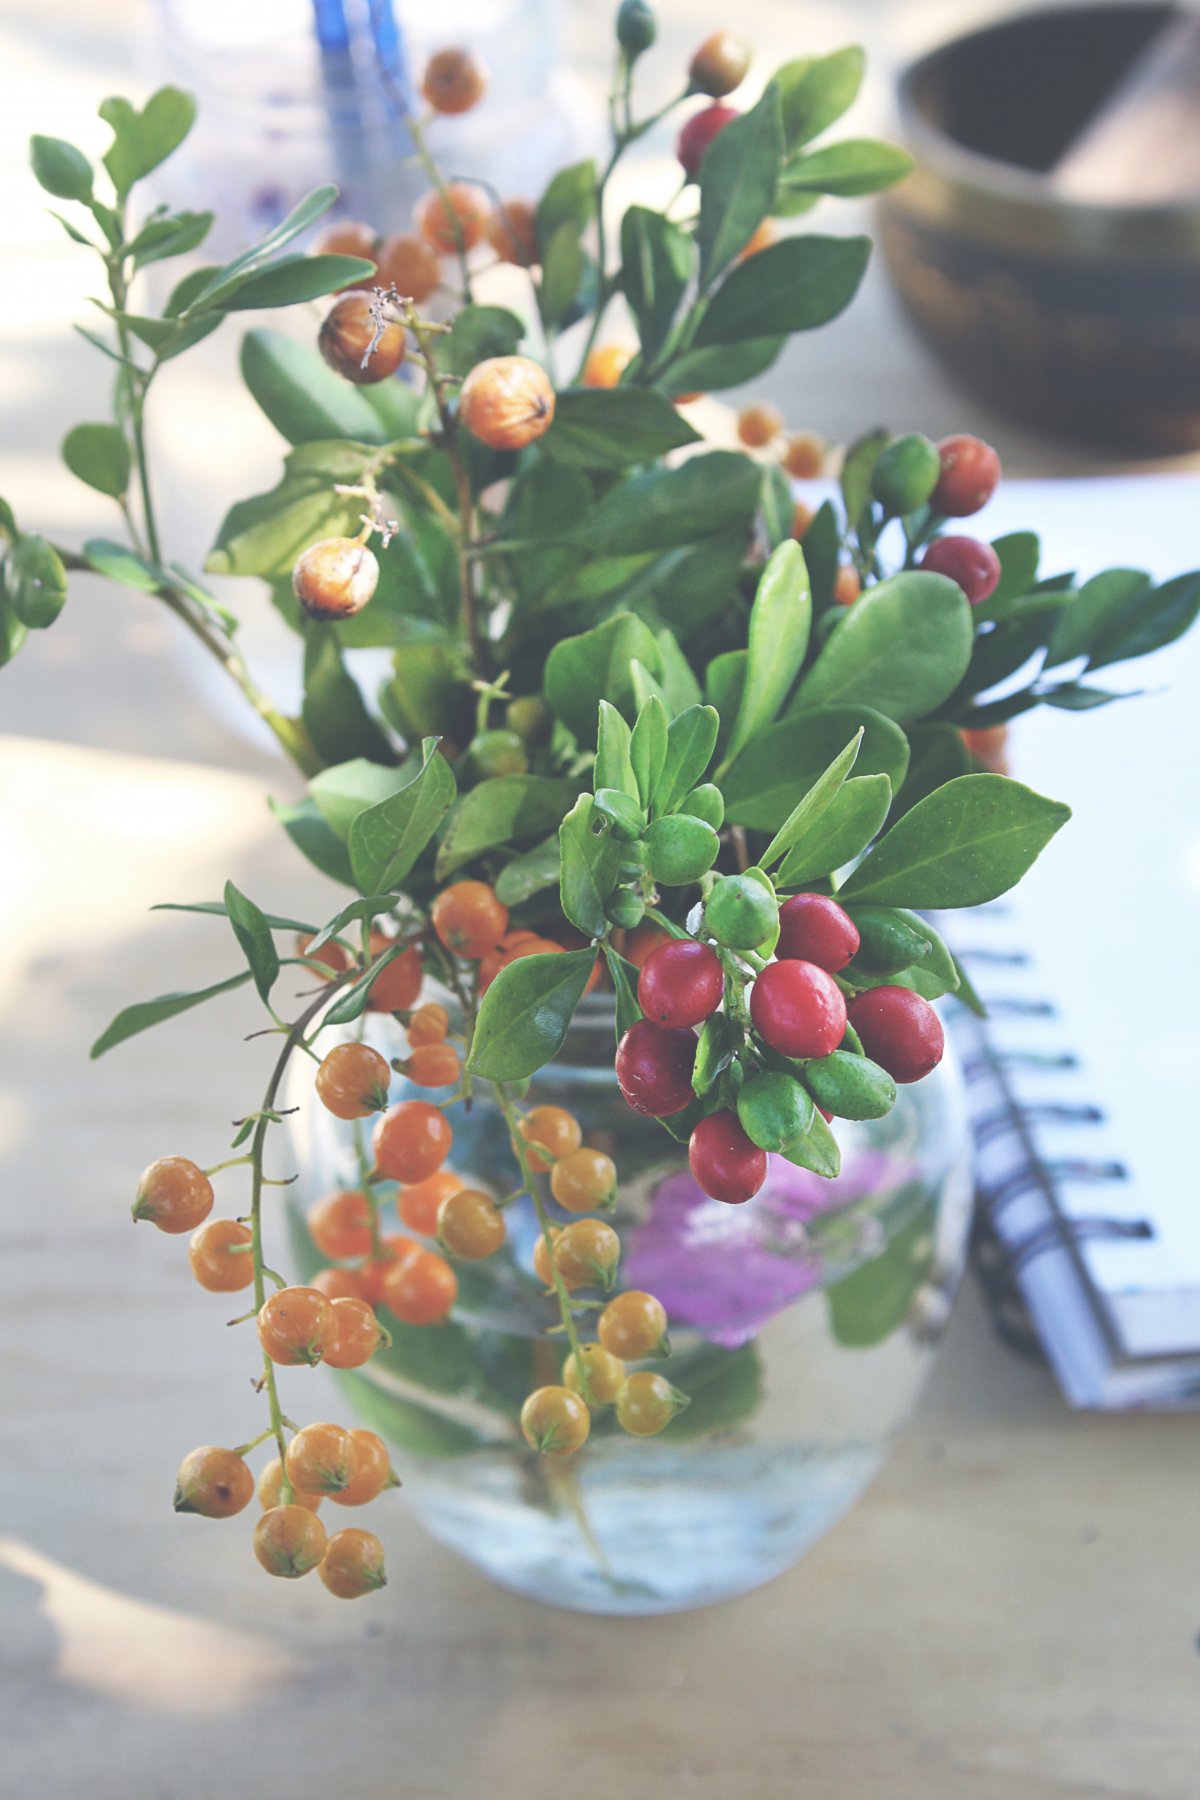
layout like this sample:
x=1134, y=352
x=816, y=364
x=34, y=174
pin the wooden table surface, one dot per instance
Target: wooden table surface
x=1010, y=1614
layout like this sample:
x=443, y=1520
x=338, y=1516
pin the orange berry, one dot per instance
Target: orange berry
x=762, y=239
x=495, y=960
x=412, y=1141
x=464, y=205
x=987, y=745
x=758, y=423
x=214, y=1483
x=584, y=1180
x=320, y=1459
x=587, y=1254
x=356, y=1334
x=454, y=81
x=340, y=1224
x=557, y=1130
x=468, y=918
x=647, y=1403
x=352, y=1081
x=555, y=1421
x=804, y=456
x=372, y=1471
x=428, y=1025
x=339, y=1284
x=346, y=337
x=432, y=1065
x=329, y=958
x=507, y=402
x=642, y=940
x=512, y=233
x=847, y=585
x=421, y=1288
x=218, y=1262
x=605, y=365
x=685, y=399
x=294, y=1325
x=410, y=265
x=802, y=518
x=289, y=1541
x=352, y=1564
x=605, y=1374
x=396, y=1247
x=634, y=1325
x=396, y=987
x=335, y=578
x=470, y=1225
x=419, y=1204
x=541, y=1259
x=174, y=1194
x=270, y=1490
x=719, y=65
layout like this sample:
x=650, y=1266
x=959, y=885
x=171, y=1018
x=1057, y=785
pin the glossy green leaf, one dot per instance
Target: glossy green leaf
x=780, y=621
x=853, y=817
x=613, y=428
x=817, y=90
x=476, y=333
x=1019, y=553
x=808, y=810
x=679, y=681
x=265, y=535
x=342, y=792
x=307, y=402
x=525, y=1014
x=564, y=265
x=60, y=168
x=724, y=679
x=902, y=648
x=34, y=582
x=99, y=456
x=352, y=1001
x=217, y=909
x=661, y=507
x=570, y=199
x=386, y=840
x=858, y=469
x=223, y=281
x=938, y=754
x=817, y=1149
x=714, y=367
x=589, y=865
x=657, y=260
x=737, y=184
x=1118, y=615
x=968, y=842
x=1073, y=696
x=624, y=979
x=293, y=279
x=760, y=788
x=583, y=670
x=791, y=286
x=253, y=933
x=507, y=809
x=315, y=838
x=856, y=166
x=648, y=747
x=333, y=711
x=153, y=1012
x=142, y=140
x=428, y=693
x=1099, y=603
x=174, y=235
x=614, y=768
x=691, y=740
x=529, y=873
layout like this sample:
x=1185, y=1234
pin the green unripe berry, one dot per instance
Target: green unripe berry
x=740, y=912
x=707, y=803
x=531, y=719
x=624, y=815
x=637, y=27
x=774, y=1109
x=498, y=753
x=886, y=942
x=625, y=908
x=906, y=474
x=680, y=849
x=852, y=1087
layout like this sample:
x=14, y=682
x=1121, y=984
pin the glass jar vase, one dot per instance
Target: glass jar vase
x=802, y=1324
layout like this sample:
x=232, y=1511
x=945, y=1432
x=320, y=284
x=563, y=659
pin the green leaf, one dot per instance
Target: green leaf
x=724, y=679
x=581, y=671
x=386, y=840
x=678, y=677
x=657, y=260
x=659, y=508
x=902, y=648
x=817, y=90
x=624, y=979
x=12, y=632
x=307, y=402
x=352, y=1001
x=614, y=769
x=691, y=740
x=476, y=333
x=714, y=1052
x=563, y=268
x=99, y=456
x=503, y=810
x=570, y=199
x=265, y=535
x=856, y=166
x=1019, y=554
x=589, y=865
x=719, y=366
x=60, y=168
x=809, y=809
x=648, y=748
x=314, y=838
x=34, y=582
x=142, y=140
x=612, y=428
x=253, y=933
x=525, y=1014
x=146, y=1013
x=427, y=693
x=223, y=281
x=349, y=788
x=760, y=788
x=938, y=754
x=843, y=831
x=791, y=286
x=723, y=1388
x=817, y=1150
x=1073, y=697
x=1118, y=628
x=937, y=973
x=173, y=235
x=1099, y=603
x=857, y=471
x=737, y=184
x=529, y=873
x=780, y=621
x=968, y=842
x=217, y=909
x=333, y=712
x=867, y=1306
x=122, y=564
x=293, y=279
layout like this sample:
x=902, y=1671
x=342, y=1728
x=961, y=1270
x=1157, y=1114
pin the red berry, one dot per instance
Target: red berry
x=798, y=1009
x=813, y=928
x=654, y=1068
x=974, y=566
x=681, y=983
x=899, y=1031
x=699, y=132
x=970, y=475
x=724, y=1161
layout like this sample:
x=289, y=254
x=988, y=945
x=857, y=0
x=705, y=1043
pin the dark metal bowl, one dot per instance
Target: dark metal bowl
x=1083, y=318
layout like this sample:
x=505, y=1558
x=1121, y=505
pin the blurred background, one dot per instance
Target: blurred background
x=138, y=1663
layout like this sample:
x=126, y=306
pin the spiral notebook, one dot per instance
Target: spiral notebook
x=1084, y=1081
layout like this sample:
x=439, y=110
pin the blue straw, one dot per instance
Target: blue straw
x=333, y=33
x=384, y=31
